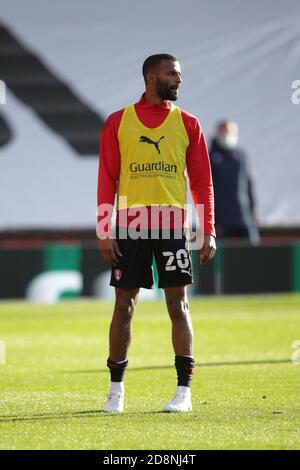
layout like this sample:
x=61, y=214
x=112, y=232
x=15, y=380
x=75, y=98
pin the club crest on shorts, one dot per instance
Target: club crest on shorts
x=118, y=274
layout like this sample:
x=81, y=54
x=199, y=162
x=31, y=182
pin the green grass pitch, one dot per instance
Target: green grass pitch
x=246, y=390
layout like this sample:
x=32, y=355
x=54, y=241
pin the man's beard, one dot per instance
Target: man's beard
x=165, y=92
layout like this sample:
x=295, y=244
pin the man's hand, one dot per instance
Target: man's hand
x=109, y=250
x=208, y=250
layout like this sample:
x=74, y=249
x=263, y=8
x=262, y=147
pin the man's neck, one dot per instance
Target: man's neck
x=153, y=98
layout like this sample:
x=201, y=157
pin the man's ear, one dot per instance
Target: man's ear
x=151, y=78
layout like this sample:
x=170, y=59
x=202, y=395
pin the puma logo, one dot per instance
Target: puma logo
x=187, y=272
x=143, y=138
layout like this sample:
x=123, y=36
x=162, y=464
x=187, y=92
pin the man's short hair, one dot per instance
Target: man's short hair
x=154, y=61
x=226, y=122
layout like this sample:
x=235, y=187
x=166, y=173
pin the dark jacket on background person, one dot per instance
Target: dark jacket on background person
x=234, y=201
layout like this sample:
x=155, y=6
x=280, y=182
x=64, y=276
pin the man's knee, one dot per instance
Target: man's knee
x=126, y=300
x=177, y=304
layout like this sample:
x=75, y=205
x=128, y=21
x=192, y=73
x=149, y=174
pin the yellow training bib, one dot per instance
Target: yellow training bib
x=153, y=161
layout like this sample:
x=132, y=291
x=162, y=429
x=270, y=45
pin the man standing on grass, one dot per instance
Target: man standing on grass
x=145, y=150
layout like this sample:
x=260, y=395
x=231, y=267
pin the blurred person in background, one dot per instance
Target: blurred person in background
x=233, y=186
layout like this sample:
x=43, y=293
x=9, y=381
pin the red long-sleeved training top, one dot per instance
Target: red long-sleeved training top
x=197, y=159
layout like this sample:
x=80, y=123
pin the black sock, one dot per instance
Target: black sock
x=117, y=370
x=185, y=369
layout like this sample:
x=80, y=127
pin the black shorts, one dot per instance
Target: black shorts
x=134, y=268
